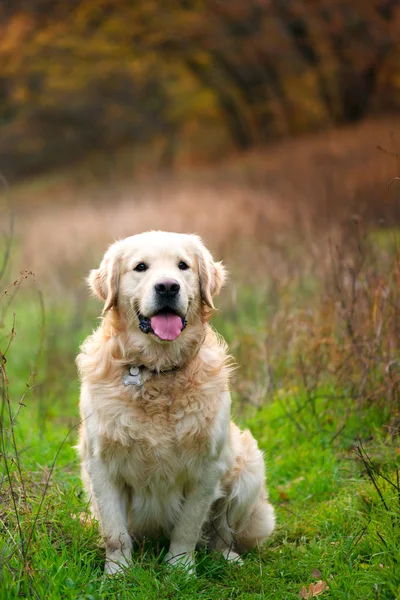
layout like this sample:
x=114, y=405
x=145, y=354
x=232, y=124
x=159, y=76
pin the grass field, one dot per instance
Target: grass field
x=315, y=330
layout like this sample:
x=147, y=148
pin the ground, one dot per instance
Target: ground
x=316, y=340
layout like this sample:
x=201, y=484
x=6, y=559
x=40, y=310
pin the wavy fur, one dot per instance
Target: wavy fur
x=164, y=458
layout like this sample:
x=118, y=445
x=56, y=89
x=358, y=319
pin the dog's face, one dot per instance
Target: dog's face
x=160, y=282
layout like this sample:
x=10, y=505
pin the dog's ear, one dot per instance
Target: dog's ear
x=212, y=276
x=104, y=281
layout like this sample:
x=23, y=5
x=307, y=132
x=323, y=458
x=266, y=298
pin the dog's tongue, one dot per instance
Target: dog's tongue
x=166, y=326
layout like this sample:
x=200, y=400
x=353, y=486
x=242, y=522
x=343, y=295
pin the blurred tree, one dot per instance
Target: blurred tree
x=86, y=75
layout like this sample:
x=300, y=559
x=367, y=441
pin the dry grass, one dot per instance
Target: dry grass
x=296, y=194
x=296, y=222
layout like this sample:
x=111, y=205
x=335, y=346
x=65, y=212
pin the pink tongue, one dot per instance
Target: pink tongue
x=166, y=326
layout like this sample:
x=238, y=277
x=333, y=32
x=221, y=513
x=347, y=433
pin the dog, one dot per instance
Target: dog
x=158, y=451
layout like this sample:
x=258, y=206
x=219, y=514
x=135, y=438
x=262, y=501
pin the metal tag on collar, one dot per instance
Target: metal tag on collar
x=133, y=377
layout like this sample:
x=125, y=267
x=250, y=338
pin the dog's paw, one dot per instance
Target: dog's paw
x=116, y=563
x=184, y=560
x=232, y=556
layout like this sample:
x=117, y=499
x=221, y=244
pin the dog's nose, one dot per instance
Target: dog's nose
x=167, y=287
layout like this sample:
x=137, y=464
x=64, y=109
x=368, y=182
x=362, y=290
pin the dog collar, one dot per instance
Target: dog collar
x=134, y=374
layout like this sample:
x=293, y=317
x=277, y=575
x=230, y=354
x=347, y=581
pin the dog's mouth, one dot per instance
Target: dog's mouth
x=166, y=324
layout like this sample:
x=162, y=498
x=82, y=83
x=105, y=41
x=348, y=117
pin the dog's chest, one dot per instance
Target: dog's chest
x=158, y=436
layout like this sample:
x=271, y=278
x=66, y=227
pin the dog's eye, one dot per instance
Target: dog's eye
x=141, y=267
x=183, y=266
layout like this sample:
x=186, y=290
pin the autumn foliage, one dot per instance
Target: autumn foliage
x=187, y=78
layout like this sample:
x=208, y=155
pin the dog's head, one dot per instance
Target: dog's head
x=160, y=282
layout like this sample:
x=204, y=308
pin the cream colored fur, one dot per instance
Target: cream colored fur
x=164, y=458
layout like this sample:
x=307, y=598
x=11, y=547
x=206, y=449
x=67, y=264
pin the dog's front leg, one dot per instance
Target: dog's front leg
x=110, y=502
x=187, y=531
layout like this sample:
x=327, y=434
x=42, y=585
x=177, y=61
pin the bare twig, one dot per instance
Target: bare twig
x=32, y=529
x=366, y=461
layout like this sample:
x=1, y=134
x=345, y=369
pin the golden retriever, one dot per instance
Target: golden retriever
x=159, y=453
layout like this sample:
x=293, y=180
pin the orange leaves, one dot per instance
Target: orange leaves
x=314, y=589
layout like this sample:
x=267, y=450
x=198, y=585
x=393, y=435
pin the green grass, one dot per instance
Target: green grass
x=330, y=516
